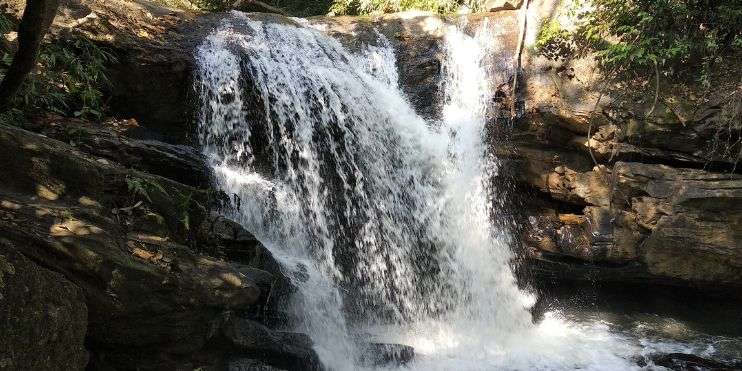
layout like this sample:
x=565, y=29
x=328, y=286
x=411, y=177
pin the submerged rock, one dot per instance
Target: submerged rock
x=290, y=351
x=690, y=362
x=385, y=354
x=246, y=364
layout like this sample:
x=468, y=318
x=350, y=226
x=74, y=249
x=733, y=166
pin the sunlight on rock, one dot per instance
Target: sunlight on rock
x=205, y=262
x=46, y=193
x=10, y=205
x=87, y=201
x=145, y=254
x=231, y=279
x=73, y=228
x=42, y=211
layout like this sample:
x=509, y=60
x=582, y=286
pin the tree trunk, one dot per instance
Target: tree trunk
x=37, y=17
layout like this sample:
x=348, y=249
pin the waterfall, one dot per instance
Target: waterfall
x=383, y=219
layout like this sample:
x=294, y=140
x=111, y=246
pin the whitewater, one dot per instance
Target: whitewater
x=383, y=219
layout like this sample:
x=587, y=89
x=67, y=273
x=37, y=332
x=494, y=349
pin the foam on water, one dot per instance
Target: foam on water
x=381, y=218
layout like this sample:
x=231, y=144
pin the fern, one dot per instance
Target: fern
x=144, y=188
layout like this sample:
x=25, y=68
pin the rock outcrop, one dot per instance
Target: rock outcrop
x=132, y=260
x=621, y=185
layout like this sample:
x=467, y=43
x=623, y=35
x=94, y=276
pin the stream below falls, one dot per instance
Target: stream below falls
x=387, y=222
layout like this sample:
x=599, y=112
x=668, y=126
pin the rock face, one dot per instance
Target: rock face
x=615, y=191
x=419, y=45
x=134, y=258
x=289, y=351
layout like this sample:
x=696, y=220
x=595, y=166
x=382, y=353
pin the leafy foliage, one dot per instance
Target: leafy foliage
x=144, y=188
x=676, y=36
x=212, y=5
x=359, y=7
x=68, y=79
x=553, y=41
x=6, y=24
x=184, y=203
x=305, y=8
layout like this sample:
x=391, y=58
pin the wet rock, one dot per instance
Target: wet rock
x=600, y=234
x=385, y=354
x=246, y=364
x=290, y=351
x=690, y=362
x=43, y=317
x=229, y=239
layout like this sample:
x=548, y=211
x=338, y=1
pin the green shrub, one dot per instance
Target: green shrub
x=6, y=25
x=676, y=37
x=361, y=7
x=305, y=8
x=553, y=41
x=68, y=80
x=212, y=5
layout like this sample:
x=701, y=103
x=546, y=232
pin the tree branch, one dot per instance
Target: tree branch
x=37, y=17
x=519, y=53
x=656, y=90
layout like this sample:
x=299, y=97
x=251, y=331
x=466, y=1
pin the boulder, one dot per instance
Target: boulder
x=683, y=362
x=43, y=316
x=181, y=163
x=246, y=364
x=289, y=351
x=386, y=355
x=139, y=289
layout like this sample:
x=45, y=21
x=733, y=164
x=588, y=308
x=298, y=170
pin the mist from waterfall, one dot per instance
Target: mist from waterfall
x=383, y=220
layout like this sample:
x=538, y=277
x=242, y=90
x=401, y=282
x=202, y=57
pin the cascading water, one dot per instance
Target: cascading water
x=381, y=218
